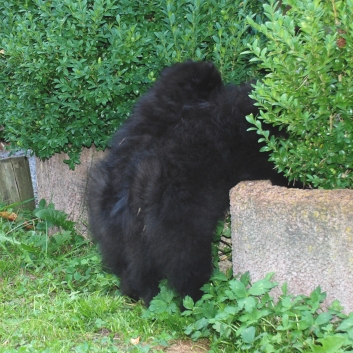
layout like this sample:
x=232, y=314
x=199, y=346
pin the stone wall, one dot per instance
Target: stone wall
x=66, y=188
x=304, y=236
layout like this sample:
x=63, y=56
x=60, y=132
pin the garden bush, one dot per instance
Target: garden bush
x=71, y=70
x=308, y=89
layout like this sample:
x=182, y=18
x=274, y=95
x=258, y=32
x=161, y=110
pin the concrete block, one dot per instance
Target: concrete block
x=304, y=236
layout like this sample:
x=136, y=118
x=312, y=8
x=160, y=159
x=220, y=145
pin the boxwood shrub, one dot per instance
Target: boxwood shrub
x=70, y=70
x=308, y=89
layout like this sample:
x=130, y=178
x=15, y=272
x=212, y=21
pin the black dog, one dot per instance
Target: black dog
x=155, y=200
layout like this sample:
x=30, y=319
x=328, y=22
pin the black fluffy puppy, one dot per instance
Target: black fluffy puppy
x=154, y=201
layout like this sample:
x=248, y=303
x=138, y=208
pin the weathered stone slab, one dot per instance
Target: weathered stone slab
x=67, y=188
x=304, y=236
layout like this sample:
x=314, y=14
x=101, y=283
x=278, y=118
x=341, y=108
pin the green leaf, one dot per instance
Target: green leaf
x=323, y=319
x=158, y=306
x=250, y=119
x=248, y=334
x=200, y=324
x=188, y=303
x=346, y=324
x=166, y=294
x=284, y=289
x=250, y=304
x=285, y=322
x=261, y=287
x=238, y=289
x=306, y=321
x=245, y=278
x=330, y=344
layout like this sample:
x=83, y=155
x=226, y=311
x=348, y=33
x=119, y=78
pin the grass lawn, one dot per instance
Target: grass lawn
x=55, y=297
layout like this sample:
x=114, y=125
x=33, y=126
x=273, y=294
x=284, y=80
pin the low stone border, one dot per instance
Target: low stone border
x=304, y=236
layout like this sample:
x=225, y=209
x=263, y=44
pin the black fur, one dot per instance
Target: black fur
x=154, y=201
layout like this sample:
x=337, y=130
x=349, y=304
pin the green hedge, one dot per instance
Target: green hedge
x=308, y=89
x=70, y=70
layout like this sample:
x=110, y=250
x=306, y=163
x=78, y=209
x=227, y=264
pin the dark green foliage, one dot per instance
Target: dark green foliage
x=308, y=90
x=49, y=217
x=74, y=258
x=238, y=315
x=221, y=242
x=71, y=70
